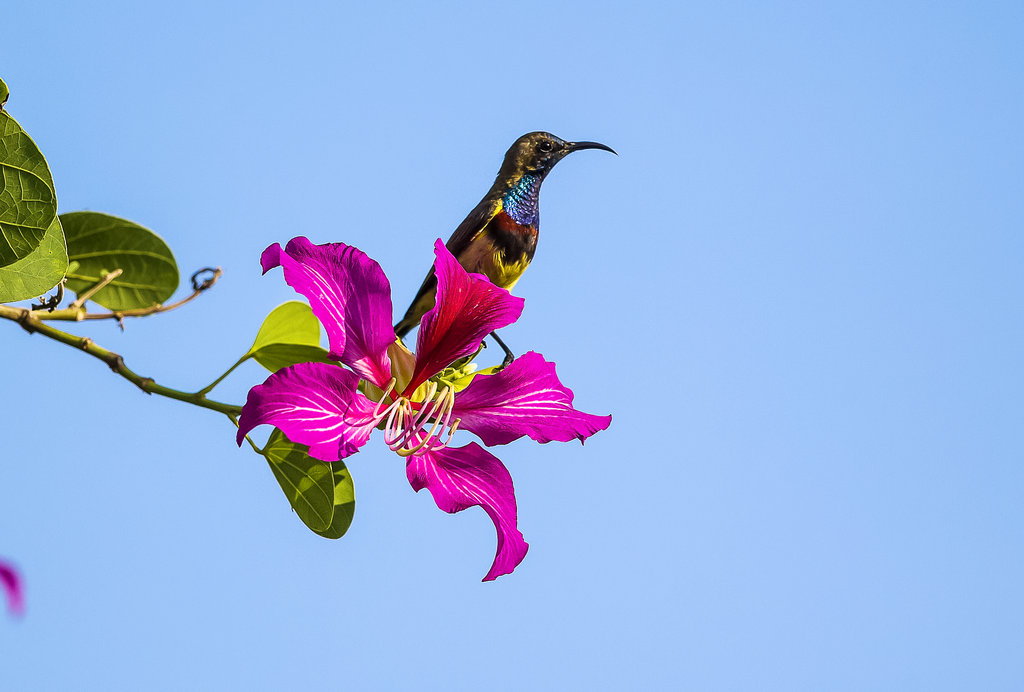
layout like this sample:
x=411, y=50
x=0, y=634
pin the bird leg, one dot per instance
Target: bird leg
x=508, y=354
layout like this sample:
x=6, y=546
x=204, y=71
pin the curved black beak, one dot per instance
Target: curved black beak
x=578, y=146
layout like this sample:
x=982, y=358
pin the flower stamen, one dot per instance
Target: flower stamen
x=427, y=407
x=451, y=431
x=394, y=422
x=377, y=414
x=405, y=420
x=431, y=411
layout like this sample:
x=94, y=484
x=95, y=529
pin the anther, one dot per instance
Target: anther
x=451, y=431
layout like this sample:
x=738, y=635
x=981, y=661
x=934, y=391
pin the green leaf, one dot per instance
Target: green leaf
x=4, y=93
x=289, y=323
x=28, y=202
x=344, y=501
x=101, y=244
x=321, y=494
x=39, y=272
x=290, y=334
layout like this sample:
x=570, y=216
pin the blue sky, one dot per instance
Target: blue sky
x=797, y=291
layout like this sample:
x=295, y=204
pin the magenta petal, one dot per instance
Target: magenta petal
x=525, y=398
x=271, y=257
x=468, y=476
x=314, y=404
x=468, y=308
x=11, y=583
x=350, y=296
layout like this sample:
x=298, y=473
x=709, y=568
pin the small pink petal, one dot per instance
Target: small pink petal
x=271, y=257
x=467, y=476
x=314, y=404
x=351, y=297
x=526, y=398
x=11, y=583
x=468, y=307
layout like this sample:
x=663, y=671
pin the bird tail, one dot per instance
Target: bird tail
x=405, y=326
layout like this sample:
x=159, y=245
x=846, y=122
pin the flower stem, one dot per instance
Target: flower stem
x=33, y=325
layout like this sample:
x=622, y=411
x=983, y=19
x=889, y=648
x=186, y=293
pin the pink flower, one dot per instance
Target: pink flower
x=420, y=400
x=11, y=583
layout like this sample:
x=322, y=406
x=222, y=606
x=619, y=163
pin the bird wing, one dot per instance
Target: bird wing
x=461, y=239
x=473, y=224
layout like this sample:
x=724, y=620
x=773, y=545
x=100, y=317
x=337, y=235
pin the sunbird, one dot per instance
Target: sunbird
x=499, y=237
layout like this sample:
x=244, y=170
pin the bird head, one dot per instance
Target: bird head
x=538, y=152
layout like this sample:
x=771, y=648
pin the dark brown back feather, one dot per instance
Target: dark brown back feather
x=465, y=233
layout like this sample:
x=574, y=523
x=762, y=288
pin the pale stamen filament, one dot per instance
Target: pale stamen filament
x=447, y=419
x=377, y=414
x=405, y=452
x=427, y=407
x=426, y=413
x=448, y=416
x=398, y=429
x=402, y=425
x=449, y=406
x=390, y=429
x=430, y=391
x=388, y=413
x=441, y=412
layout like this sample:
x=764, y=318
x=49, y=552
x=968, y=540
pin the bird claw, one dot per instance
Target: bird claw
x=508, y=353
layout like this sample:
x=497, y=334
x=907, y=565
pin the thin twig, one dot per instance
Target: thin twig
x=92, y=291
x=31, y=323
x=78, y=313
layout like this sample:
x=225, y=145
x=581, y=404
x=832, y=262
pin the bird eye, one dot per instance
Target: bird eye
x=546, y=146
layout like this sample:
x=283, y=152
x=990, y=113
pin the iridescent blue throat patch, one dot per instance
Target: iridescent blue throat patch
x=521, y=201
